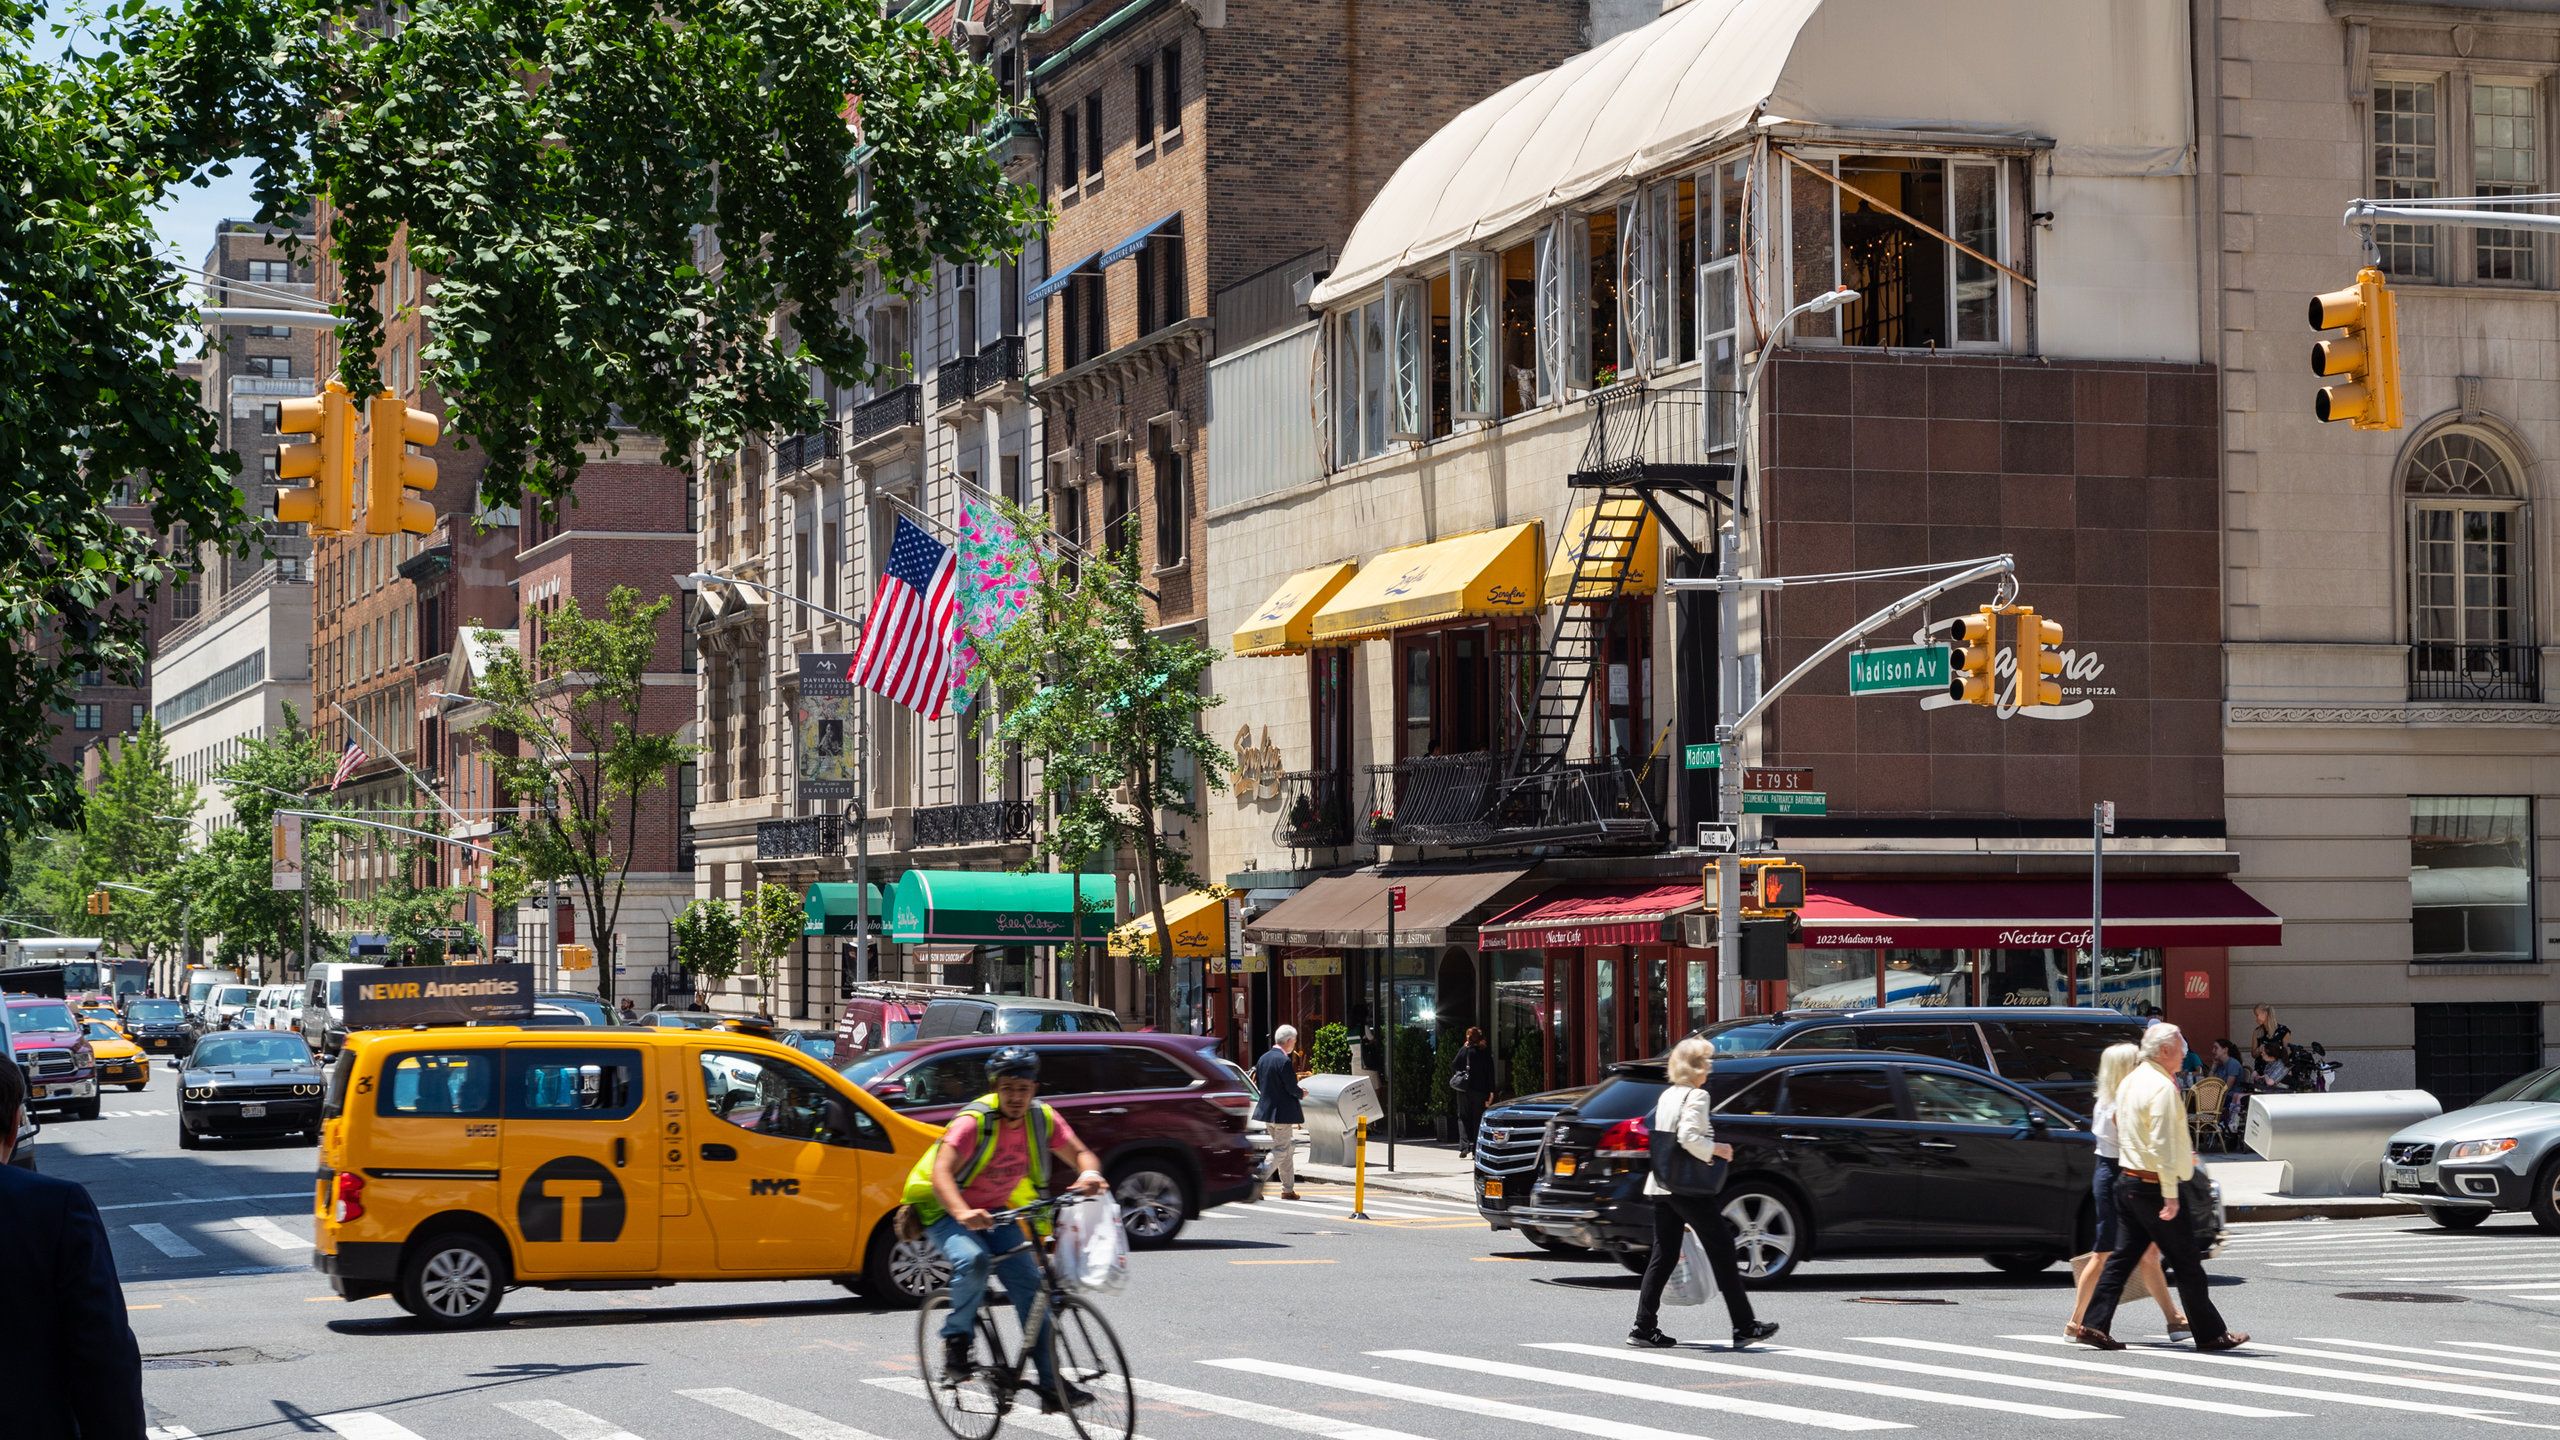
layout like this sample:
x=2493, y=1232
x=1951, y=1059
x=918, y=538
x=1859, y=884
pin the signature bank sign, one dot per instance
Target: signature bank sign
x=389, y=996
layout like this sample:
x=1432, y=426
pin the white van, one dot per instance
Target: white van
x=231, y=1007
x=271, y=1005
x=202, y=981
x=323, y=1017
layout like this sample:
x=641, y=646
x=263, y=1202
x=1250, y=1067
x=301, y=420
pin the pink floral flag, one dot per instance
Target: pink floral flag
x=998, y=571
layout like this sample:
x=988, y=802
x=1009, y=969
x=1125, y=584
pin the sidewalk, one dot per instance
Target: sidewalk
x=1424, y=1167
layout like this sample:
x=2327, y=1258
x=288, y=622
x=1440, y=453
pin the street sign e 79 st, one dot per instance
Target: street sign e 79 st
x=1898, y=669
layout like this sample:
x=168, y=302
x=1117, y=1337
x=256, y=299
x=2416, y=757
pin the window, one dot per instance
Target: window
x=2055, y=1052
x=2404, y=168
x=1942, y=1099
x=1070, y=152
x=953, y=1078
x=1475, y=376
x=1838, y=1095
x=1119, y=497
x=443, y=1083
x=1169, y=76
x=2467, y=1050
x=1088, y=318
x=1128, y=1067
x=773, y=1097
x=88, y=717
x=1173, y=497
x=1516, y=373
x=275, y=367
x=2470, y=878
x=1883, y=228
x=133, y=717
x=1145, y=95
x=270, y=419
x=1939, y=1042
x=271, y=272
x=1459, y=687
x=1093, y=135
x=1408, y=370
x=2468, y=634
x=1720, y=333
x=1161, y=297
x=572, y=1084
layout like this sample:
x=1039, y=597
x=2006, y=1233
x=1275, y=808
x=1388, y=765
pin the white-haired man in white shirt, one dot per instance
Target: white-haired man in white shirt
x=2153, y=1159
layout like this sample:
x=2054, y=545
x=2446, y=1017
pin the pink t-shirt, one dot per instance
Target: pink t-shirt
x=992, y=1189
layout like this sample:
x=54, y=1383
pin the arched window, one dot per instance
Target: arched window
x=2470, y=626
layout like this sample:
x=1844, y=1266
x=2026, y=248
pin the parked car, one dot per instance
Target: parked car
x=2053, y=1052
x=1165, y=1117
x=948, y=1015
x=814, y=1044
x=566, y=1008
x=1836, y=1154
x=680, y=1020
x=2499, y=1153
x=323, y=1022
x=51, y=1049
x=249, y=1083
x=159, y=1027
x=1507, y=1156
x=877, y=1015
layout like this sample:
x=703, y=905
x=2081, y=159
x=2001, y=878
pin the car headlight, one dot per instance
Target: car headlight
x=198, y=1092
x=2476, y=1149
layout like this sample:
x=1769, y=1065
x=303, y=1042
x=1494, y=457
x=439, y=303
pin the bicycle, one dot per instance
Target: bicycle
x=1083, y=1353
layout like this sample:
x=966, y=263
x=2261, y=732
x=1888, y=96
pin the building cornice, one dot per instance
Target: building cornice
x=2411, y=716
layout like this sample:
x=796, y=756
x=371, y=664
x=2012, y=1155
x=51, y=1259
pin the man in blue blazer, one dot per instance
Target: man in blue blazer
x=75, y=1372
x=1276, y=1076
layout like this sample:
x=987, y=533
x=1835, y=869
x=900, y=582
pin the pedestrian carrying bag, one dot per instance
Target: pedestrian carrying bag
x=1681, y=1172
x=1093, y=1247
x=1691, y=1281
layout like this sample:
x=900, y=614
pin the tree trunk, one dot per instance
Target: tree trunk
x=1151, y=891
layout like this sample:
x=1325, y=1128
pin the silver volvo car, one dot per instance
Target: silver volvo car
x=2501, y=1152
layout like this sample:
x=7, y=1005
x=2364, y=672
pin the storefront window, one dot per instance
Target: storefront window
x=2470, y=878
x=1702, y=982
x=2128, y=980
x=1519, y=998
x=1831, y=979
x=1657, y=1003
x=2025, y=977
x=1604, y=1003
x=1926, y=977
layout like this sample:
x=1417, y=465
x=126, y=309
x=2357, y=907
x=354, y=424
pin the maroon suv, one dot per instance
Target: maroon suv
x=48, y=1044
x=1165, y=1117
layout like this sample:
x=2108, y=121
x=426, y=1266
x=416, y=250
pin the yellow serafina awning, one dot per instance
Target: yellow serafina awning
x=1490, y=573
x=1198, y=922
x=1611, y=546
x=1280, y=626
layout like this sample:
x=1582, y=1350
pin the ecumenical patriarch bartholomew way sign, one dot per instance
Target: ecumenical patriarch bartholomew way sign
x=394, y=995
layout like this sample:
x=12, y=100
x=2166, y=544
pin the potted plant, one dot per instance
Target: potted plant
x=1382, y=824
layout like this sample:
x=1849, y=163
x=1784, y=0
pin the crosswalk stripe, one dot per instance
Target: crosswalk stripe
x=1465, y=1404
x=1310, y=1207
x=2463, y=1272
x=1659, y=1394
x=2227, y=1360
x=365, y=1425
x=2394, y=1360
x=166, y=1241
x=2040, y=1383
x=2516, y=1285
x=2140, y=1372
x=774, y=1415
x=271, y=1232
x=2443, y=1354
x=1026, y=1411
x=1235, y=1409
x=167, y=1432
x=565, y=1422
x=1831, y=1382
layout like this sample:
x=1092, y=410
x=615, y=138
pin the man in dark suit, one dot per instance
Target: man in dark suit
x=75, y=1372
x=1276, y=1076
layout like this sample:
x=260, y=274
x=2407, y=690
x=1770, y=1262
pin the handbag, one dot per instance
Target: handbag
x=2195, y=1210
x=1681, y=1172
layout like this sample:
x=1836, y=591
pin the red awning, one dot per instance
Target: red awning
x=1592, y=915
x=2030, y=914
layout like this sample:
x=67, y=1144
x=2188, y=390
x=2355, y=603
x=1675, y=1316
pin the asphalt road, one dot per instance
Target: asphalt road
x=1417, y=1325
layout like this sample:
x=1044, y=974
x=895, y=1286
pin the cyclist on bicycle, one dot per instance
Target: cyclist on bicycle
x=994, y=1156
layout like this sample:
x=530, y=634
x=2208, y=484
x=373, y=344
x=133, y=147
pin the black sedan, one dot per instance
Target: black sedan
x=1835, y=1154
x=159, y=1026
x=249, y=1082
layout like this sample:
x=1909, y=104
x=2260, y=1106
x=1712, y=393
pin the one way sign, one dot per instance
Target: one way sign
x=1715, y=839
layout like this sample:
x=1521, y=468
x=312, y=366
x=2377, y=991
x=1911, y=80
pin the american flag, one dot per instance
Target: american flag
x=908, y=637
x=347, y=764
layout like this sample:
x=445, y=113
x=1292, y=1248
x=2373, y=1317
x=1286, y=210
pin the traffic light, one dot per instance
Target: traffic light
x=1977, y=651
x=1781, y=887
x=328, y=461
x=99, y=902
x=2367, y=356
x=2037, y=639
x=391, y=472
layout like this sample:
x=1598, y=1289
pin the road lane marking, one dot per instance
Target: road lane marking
x=1026, y=1415
x=1284, y=1262
x=2229, y=1360
x=2513, y=1349
x=365, y=1425
x=2441, y=1354
x=2521, y=1285
x=1465, y=1404
x=166, y=1241
x=2394, y=1359
x=2039, y=1383
x=142, y=1307
x=565, y=1422
x=1830, y=1382
x=271, y=1232
x=1306, y=1207
x=168, y=1432
x=2143, y=1372
x=1331, y=1426
x=774, y=1415
x=1659, y=1394
x=302, y=1194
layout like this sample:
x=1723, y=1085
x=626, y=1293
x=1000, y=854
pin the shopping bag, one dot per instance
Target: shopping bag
x=1691, y=1281
x=1093, y=1247
x=2136, y=1286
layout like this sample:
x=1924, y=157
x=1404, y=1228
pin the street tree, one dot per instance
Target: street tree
x=771, y=921
x=130, y=844
x=412, y=917
x=707, y=939
x=585, y=764
x=230, y=878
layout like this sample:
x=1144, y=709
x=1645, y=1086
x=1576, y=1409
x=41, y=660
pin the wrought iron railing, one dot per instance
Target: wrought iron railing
x=993, y=822
x=799, y=452
x=1430, y=800
x=2446, y=670
x=1469, y=802
x=996, y=364
x=1681, y=434
x=902, y=406
x=953, y=379
x=1605, y=803
x=792, y=839
x=1315, y=810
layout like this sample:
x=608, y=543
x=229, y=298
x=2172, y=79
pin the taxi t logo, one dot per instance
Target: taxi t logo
x=571, y=1198
x=773, y=1187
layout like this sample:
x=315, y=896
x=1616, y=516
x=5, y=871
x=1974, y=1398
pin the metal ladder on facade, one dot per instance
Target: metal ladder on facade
x=1607, y=552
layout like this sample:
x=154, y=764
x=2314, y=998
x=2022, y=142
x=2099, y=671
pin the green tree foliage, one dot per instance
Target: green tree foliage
x=1416, y=1098
x=1528, y=1064
x=1329, y=1051
x=127, y=842
x=408, y=914
x=771, y=920
x=708, y=939
x=585, y=764
x=231, y=877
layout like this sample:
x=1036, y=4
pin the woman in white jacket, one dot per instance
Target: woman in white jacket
x=1684, y=1112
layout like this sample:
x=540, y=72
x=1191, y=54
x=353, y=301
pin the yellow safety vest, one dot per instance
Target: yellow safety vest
x=1044, y=1124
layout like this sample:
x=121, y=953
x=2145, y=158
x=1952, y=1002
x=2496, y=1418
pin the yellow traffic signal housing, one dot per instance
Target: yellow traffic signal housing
x=327, y=504
x=1977, y=651
x=2367, y=357
x=2038, y=639
x=1781, y=886
x=100, y=902
x=391, y=472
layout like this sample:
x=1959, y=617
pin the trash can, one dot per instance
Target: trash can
x=2334, y=1142
x=1334, y=1105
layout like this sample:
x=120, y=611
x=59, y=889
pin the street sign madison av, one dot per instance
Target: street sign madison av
x=1898, y=670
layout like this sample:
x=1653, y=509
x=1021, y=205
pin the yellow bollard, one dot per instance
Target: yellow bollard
x=1360, y=1171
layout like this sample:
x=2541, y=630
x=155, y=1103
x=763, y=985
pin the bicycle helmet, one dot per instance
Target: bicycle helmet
x=1014, y=1061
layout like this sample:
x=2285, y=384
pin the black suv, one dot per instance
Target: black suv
x=1835, y=1153
x=2053, y=1052
x=1507, y=1146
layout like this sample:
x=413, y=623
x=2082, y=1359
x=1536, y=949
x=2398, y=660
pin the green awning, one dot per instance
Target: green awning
x=829, y=909
x=987, y=907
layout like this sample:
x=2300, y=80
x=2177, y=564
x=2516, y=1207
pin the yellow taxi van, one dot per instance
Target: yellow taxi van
x=459, y=1163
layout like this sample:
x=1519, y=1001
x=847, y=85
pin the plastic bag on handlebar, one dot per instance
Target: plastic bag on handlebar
x=1093, y=1249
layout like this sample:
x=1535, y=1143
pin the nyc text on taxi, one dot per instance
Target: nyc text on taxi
x=456, y=1164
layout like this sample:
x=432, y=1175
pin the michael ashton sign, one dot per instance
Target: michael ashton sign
x=438, y=995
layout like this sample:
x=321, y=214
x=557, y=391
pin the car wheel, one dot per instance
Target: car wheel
x=139, y=1085
x=903, y=1273
x=453, y=1280
x=1551, y=1244
x=189, y=1140
x=2447, y=1217
x=1632, y=1261
x=2021, y=1264
x=1769, y=1234
x=2546, y=1196
x=1151, y=1205
x=87, y=1109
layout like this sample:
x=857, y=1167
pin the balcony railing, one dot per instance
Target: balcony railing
x=1430, y=800
x=953, y=379
x=2446, y=670
x=803, y=451
x=1682, y=435
x=1604, y=803
x=792, y=839
x=994, y=822
x=1315, y=810
x=997, y=364
x=902, y=406
x=1467, y=802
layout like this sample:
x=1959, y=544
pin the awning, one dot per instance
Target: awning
x=1594, y=914
x=2030, y=914
x=1351, y=909
x=1281, y=626
x=1641, y=566
x=828, y=909
x=1056, y=282
x=1198, y=922
x=986, y=907
x=1129, y=247
x=1490, y=572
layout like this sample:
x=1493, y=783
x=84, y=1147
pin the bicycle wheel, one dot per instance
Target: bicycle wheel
x=1086, y=1355
x=970, y=1407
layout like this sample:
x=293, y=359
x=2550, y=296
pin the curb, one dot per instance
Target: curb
x=2343, y=1208
x=1392, y=1184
